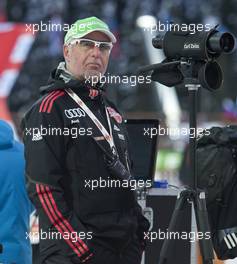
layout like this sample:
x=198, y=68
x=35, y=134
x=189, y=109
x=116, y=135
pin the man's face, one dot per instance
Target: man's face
x=86, y=62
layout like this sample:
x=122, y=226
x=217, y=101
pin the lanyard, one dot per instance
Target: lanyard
x=108, y=136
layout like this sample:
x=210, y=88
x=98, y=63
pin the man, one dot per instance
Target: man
x=63, y=169
x=15, y=206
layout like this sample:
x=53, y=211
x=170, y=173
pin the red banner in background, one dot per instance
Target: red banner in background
x=15, y=46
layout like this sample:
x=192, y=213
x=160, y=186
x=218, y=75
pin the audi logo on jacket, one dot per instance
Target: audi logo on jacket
x=74, y=113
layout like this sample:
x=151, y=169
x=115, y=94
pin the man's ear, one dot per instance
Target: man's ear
x=66, y=52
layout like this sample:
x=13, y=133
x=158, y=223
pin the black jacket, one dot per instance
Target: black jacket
x=60, y=166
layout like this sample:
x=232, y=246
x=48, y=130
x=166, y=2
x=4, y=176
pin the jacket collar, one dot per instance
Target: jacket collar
x=61, y=78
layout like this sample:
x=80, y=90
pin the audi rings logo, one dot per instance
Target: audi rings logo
x=75, y=112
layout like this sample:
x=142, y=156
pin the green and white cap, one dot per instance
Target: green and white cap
x=82, y=27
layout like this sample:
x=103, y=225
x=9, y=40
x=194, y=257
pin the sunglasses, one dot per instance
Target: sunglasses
x=90, y=44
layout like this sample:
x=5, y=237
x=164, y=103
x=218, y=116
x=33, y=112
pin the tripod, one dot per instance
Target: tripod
x=191, y=194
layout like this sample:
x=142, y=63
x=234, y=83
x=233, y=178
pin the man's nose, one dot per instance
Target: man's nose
x=96, y=51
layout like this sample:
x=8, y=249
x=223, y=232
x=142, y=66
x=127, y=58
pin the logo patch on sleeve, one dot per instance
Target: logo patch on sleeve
x=118, y=118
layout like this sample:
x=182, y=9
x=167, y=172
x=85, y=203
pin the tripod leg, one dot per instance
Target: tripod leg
x=206, y=246
x=169, y=244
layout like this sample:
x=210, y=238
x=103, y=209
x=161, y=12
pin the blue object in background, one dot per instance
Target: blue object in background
x=15, y=206
x=161, y=184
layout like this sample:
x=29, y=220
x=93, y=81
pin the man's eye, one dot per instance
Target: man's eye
x=104, y=46
x=86, y=43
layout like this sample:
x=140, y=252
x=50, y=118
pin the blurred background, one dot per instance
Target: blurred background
x=26, y=60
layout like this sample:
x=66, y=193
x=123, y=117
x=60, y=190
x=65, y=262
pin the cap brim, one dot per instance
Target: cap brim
x=106, y=32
